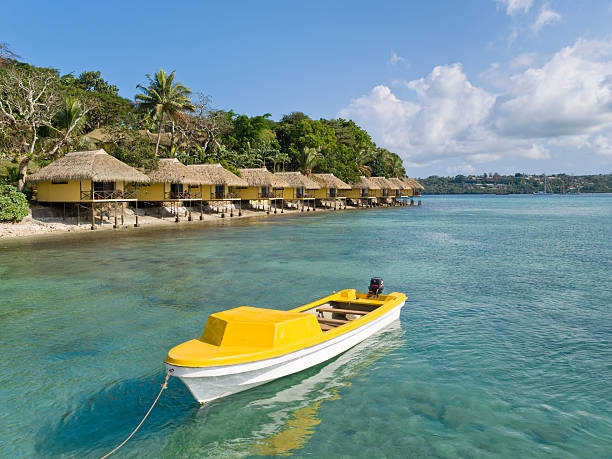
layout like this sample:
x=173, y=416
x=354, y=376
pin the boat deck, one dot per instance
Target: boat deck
x=335, y=313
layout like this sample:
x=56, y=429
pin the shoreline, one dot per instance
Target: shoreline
x=36, y=228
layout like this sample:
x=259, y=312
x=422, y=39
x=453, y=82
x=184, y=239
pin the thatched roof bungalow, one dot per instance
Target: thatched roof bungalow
x=262, y=184
x=217, y=183
x=330, y=186
x=300, y=186
x=85, y=176
x=172, y=180
x=363, y=189
x=414, y=186
x=385, y=185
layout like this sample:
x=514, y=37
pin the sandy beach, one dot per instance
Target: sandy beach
x=43, y=221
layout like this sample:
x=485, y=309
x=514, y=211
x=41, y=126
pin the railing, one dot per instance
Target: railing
x=182, y=195
x=270, y=195
x=223, y=195
x=339, y=194
x=106, y=195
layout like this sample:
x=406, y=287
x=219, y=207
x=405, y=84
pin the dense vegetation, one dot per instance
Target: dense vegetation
x=517, y=184
x=13, y=204
x=44, y=115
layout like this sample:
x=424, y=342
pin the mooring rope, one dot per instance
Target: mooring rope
x=163, y=387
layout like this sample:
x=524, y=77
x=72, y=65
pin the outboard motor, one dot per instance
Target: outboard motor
x=376, y=286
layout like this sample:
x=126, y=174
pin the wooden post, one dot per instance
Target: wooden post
x=79, y=213
x=115, y=207
x=176, y=215
x=240, y=207
x=122, y=212
x=93, y=221
x=136, y=213
x=201, y=209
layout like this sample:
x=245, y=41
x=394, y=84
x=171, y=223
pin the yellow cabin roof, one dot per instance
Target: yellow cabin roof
x=245, y=330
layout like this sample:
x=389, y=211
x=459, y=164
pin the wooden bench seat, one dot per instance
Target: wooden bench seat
x=332, y=321
x=326, y=327
x=343, y=311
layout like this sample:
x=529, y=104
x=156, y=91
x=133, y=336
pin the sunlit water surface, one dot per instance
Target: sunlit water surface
x=503, y=348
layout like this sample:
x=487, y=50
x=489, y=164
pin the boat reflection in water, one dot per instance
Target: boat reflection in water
x=294, y=410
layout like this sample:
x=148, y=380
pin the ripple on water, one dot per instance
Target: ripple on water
x=503, y=350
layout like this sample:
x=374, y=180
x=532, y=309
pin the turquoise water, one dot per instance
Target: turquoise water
x=503, y=349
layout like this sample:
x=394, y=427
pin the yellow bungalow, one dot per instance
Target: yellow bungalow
x=219, y=187
x=264, y=189
x=414, y=185
x=363, y=193
x=398, y=191
x=386, y=188
x=86, y=178
x=172, y=182
x=301, y=189
x=332, y=191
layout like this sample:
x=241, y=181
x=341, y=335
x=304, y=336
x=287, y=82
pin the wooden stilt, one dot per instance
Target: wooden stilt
x=64, y=217
x=136, y=213
x=240, y=208
x=122, y=214
x=78, y=214
x=115, y=208
x=93, y=221
x=201, y=210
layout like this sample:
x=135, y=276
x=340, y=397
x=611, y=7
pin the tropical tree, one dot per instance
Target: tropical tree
x=164, y=97
x=308, y=159
x=68, y=123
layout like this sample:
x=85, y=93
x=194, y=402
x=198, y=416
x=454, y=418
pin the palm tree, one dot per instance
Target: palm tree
x=68, y=123
x=363, y=158
x=308, y=159
x=396, y=166
x=164, y=97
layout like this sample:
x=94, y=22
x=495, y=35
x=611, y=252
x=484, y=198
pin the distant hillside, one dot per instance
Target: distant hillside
x=517, y=184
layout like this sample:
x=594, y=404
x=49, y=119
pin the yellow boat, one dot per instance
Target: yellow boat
x=246, y=347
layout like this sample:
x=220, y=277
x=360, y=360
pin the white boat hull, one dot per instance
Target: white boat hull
x=210, y=383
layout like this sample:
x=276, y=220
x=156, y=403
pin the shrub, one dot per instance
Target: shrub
x=13, y=204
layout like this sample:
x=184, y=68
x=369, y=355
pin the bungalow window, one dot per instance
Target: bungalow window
x=364, y=193
x=332, y=192
x=220, y=191
x=265, y=192
x=384, y=192
x=176, y=188
x=103, y=186
x=299, y=192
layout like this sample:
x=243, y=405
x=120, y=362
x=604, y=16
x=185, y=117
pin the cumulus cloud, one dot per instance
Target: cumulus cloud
x=516, y=6
x=547, y=16
x=536, y=110
x=396, y=59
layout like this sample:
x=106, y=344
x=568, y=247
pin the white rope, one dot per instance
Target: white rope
x=164, y=386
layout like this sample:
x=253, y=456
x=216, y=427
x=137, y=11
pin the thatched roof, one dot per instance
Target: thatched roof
x=102, y=135
x=263, y=177
x=397, y=183
x=366, y=183
x=331, y=181
x=171, y=170
x=298, y=180
x=95, y=165
x=383, y=183
x=412, y=183
x=216, y=174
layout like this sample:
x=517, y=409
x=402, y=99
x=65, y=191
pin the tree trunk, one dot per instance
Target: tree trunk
x=159, y=132
x=23, y=171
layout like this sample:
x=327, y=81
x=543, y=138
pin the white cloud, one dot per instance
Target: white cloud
x=566, y=103
x=463, y=169
x=395, y=58
x=516, y=6
x=535, y=152
x=547, y=16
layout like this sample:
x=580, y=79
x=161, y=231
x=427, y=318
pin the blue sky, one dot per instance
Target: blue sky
x=452, y=86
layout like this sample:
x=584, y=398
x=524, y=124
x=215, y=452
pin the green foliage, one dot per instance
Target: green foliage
x=516, y=184
x=13, y=204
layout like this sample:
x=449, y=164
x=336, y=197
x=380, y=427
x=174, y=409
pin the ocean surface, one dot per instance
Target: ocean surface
x=504, y=347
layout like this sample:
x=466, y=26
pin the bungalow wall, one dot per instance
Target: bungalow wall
x=354, y=193
x=69, y=191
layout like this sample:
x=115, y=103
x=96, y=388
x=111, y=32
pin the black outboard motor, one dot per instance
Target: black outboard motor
x=376, y=286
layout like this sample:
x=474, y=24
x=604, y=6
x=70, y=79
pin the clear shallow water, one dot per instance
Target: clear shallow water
x=504, y=346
